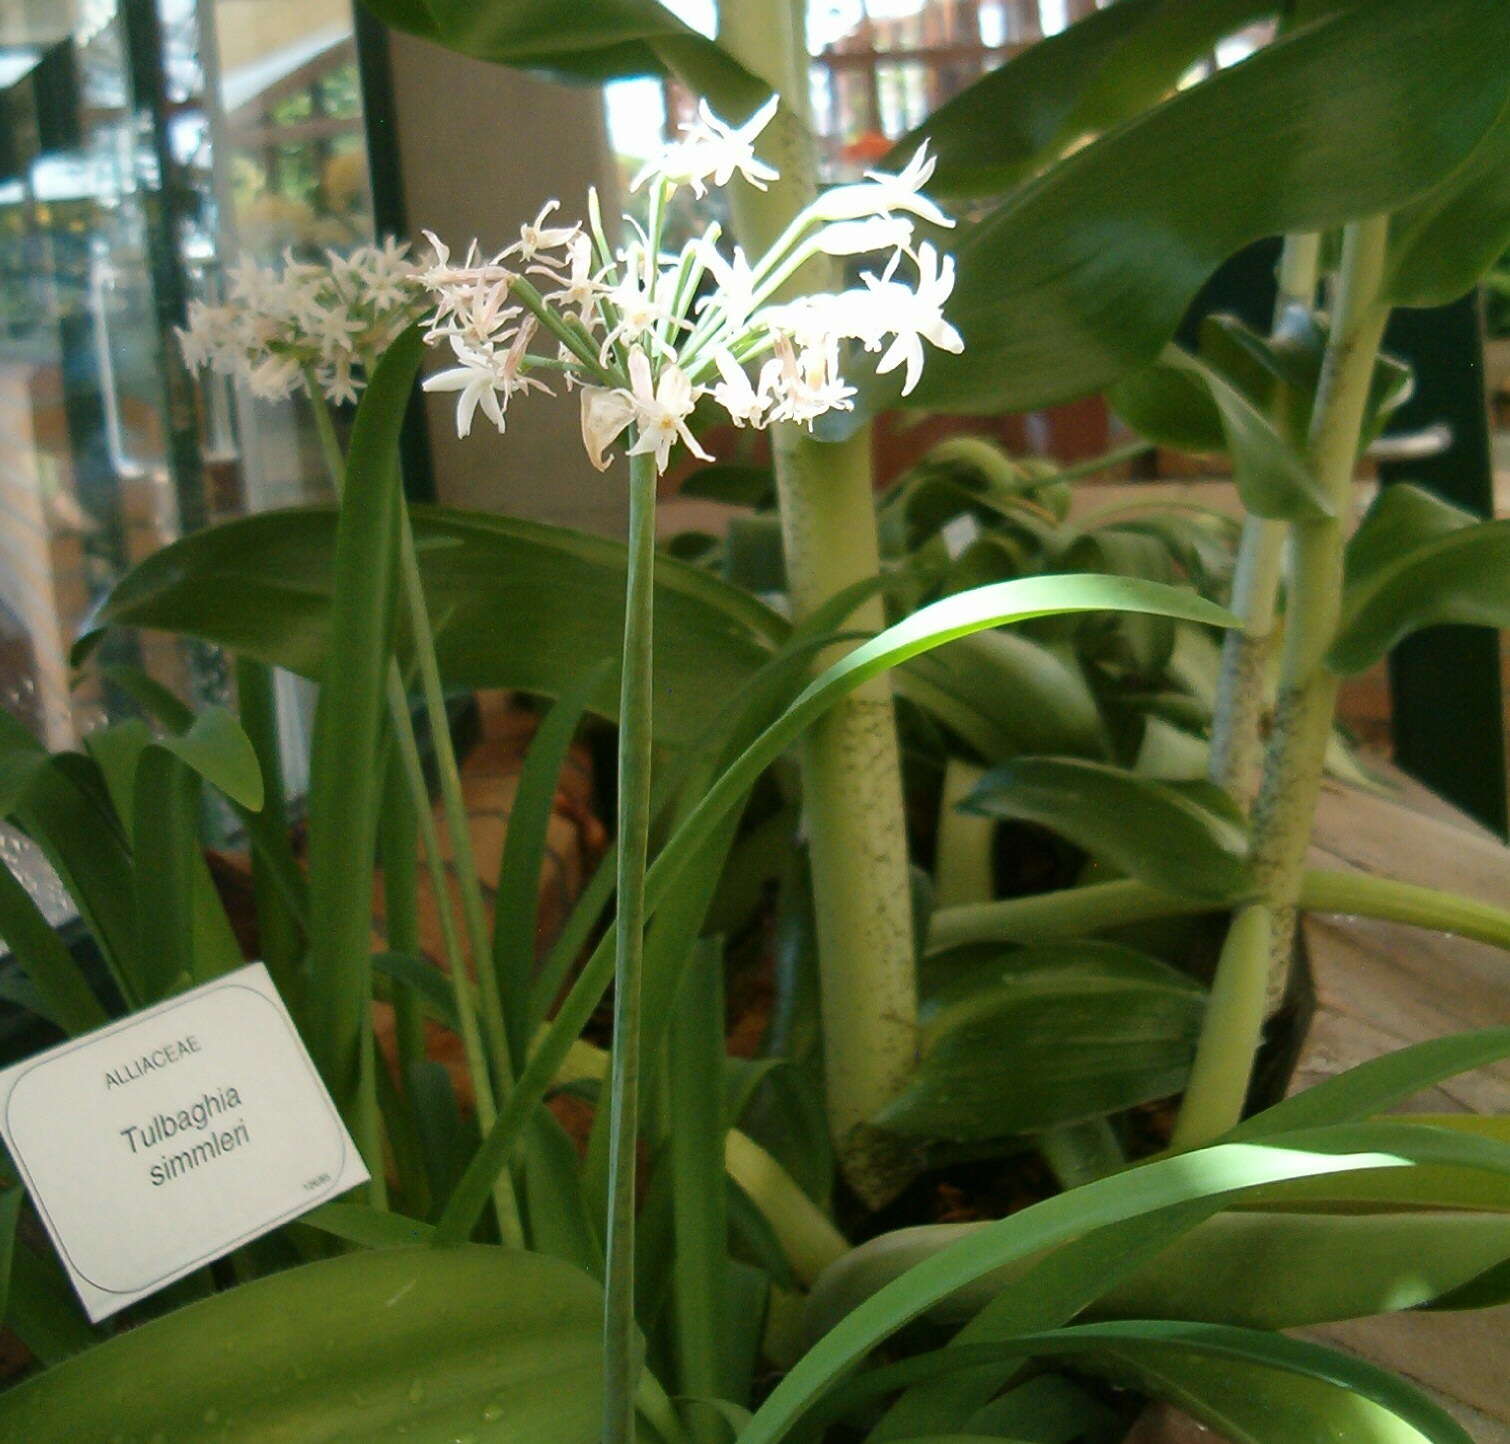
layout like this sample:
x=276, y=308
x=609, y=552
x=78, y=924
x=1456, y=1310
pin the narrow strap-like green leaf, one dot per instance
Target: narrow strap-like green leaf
x=345, y=783
x=67, y=998
x=516, y=905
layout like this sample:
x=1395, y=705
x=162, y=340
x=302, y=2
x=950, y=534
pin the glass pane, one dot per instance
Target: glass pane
x=147, y=150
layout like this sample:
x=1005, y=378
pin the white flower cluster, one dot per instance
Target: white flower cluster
x=323, y=323
x=646, y=334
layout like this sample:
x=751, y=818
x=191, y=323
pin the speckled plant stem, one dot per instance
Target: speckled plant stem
x=851, y=768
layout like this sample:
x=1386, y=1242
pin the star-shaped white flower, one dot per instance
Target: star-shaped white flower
x=535, y=236
x=914, y=316
x=661, y=409
x=478, y=382
x=746, y=405
x=711, y=149
x=880, y=194
x=580, y=287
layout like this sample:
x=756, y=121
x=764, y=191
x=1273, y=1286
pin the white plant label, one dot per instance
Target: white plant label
x=160, y=1143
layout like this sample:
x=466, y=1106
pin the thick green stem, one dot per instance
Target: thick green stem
x=1285, y=811
x=1230, y=1034
x=1242, y=701
x=1247, y=987
x=851, y=767
x=621, y=1363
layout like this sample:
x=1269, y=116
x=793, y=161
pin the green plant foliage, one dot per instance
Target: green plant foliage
x=1252, y=397
x=1272, y=1270
x=1047, y=1036
x=1459, y=576
x=344, y=785
x=1211, y=1370
x=261, y=586
x=591, y=40
x=430, y=1344
x=1444, y=242
x=1085, y=79
x=62, y=995
x=65, y=808
x=1183, y=838
x=1273, y=479
x=1083, y=274
x=1215, y=1174
x=1403, y=516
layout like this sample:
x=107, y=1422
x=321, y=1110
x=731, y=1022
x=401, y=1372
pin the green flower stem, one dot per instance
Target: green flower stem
x=1254, y=970
x=620, y=1348
x=453, y=805
x=851, y=769
x=1243, y=689
x=504, y=1202
x=473, y=912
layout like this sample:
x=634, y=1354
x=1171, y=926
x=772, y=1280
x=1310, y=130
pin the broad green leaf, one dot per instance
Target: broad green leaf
x=430, y=1344
x=140, y=774
x=521, y=604
x=1402, y=517
x=1273, y=479
x=1170, y=406
x=1037, y=1294
x=1063, y=1033
x=1225, y=1171
x=1284, y=1270
x=221, y=753
x=1163, y=834
x=1460, y=576
x=593, y=40
x=1444, y=243
x=65, y=996
x=1161, y=1356
x=346, y=775
x=1088, y=77
x=1084, y=273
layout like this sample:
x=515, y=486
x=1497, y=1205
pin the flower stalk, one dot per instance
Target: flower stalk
x=621, y=1360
